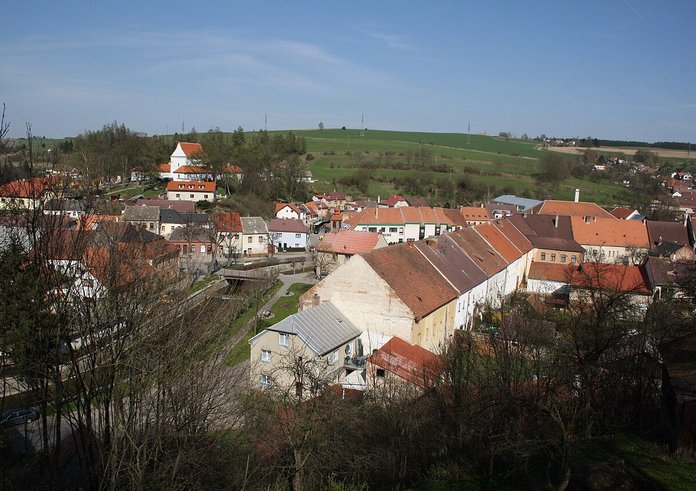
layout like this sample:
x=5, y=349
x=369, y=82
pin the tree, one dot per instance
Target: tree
x=321, y=125
x=554, y=167
x=646, y=157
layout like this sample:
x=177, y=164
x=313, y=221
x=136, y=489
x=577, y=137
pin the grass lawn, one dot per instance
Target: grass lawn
x=283, y=307
x=203, y=282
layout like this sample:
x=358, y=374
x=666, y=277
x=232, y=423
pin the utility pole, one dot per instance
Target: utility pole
x=362, y=125
x=468, y=133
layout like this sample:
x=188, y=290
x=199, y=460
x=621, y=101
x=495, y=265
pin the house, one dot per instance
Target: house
x=664, y=273
x=550, y=278
x=628, y=281
x=551, y=238
x=474, y=214
x=290, y=211
x=584, y=209
x=147, y=217
x=338, y=246
x=625, y=213
x=73, y=208
x=461, y=272
x=27, y=194
x=194, y=242
x=322, y=337
x=394, y=201
x=180, y=206
x=171, y=219
x=192, y=191
x=137, y=175
x=399, y=362
x=392, y=291
x=288, y=234
x=228, y=226
x=666, y=238
x=521, y=204
x=183, y=164
x=609, y=240
x=332, y=200
x=255, y=240
x=407, y=224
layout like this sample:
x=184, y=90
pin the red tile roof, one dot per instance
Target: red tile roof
x=26, y=188
x=280, y=206
x=499, y=242
x=412, y=278
x=572, y=209
x=614, y=277
x=228, y=222
x=514, y=235
x=479, y=250
x=551, y=271
x=610, y=232
x=389, y=216
x=191, y=186
x=232, y=169
x=393, y=200
x=409, y=362
x=191, y=148
x=348, y=242
x=621, y=212
x=474, y=213
x=192, y=169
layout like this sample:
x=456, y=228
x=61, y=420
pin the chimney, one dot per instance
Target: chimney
x=577, y=195
x=555, y=222
x=379, y=199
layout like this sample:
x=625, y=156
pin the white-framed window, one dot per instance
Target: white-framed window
x=393, y=229
x=202, y=248
x=298, y=236
x=283, y=339
x=266, y=356
x=178, y=195
x=249, y=239
x=543, y=256
x=260, y=239
x=265, y=381
x=564, y=258
x=553, y=257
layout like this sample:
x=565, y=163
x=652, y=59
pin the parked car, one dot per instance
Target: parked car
x=18, y=416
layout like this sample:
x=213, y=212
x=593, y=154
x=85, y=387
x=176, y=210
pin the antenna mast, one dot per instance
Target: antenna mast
x=468, y=133
x=265, y=122
x=362, y=125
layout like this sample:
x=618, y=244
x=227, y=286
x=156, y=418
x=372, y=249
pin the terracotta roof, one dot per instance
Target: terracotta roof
x=474, y=213
x=610, y=232
x=548, y=232
x=452, y=262
x=614, y=277
x=561, y=273
x=499, y=242
x=416, y=201
x=191, y=148
x=412, y=278
x=26, y=188
x=479, y=250
x=621, y=212
x=232, y=169
x=191, y=186
x=228, y=222
x=393, y=200
x=165, y=167
x=401, y=216
x=193, y=169
x=676, y=232
x=91, y=222
x=348, y=242
x=513, y=234
x=409, y=362
x=280, y=206
x=572, y=209
x=287, y=225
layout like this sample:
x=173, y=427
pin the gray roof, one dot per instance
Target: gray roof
x=168, y=215
x=192, y=234
x=141, y=213
x=253, y=225
x=523, y=203
x=66, y=205
x=322, y=328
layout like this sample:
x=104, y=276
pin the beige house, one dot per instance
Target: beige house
x=27, y=194
x=191, y=191
x=254, y=239
x=393, y=291
x=608, y=240
x=317, y=346
x=147, y=217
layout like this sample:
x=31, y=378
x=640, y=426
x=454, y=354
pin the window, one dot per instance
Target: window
x=249, y=239
x=380, y=372
x=152, y=226
x=382, y=229
x=333, y=357
x=298, y=236
x=205, y=196
x=401, y=230
x=209, y=248
x=191, y=196
x=266, y=356
x=372, y=229
x=185, y=246
x=553, y=257
x=178, y=195
x=393, y=229
x=283, y=339
x=564, y=258
x=437, y=230
x=543, y=256
x=260, y=239
x=202, y=248
x=265, y=381
x=573, y=259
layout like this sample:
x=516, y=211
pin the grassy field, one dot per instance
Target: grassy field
x=492, y=165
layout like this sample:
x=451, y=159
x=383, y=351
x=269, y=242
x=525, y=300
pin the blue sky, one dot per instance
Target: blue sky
x=610, y=69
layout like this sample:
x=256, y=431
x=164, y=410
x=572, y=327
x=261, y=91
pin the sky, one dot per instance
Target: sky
x=613, y=69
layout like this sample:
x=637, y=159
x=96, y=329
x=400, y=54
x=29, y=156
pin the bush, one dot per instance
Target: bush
x=204, y=205
x=309, y=157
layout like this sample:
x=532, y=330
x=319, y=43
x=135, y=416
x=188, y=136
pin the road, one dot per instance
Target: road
x=27, y=438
